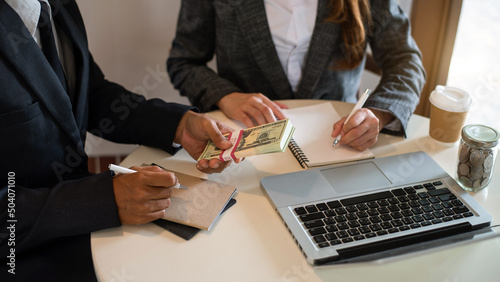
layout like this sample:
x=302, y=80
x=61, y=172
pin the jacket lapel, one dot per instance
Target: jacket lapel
x=323, y=43
x=252, y=21
x=81, y=57
x=21, y=50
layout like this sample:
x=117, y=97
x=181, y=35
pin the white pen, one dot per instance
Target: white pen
x=358, y=106
x=124, y=170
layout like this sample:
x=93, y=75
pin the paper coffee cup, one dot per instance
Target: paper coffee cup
x=449, y=108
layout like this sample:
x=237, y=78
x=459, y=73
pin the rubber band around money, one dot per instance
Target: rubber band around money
x=234, y=137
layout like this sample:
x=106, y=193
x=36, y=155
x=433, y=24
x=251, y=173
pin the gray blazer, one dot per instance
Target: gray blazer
x=237, y=32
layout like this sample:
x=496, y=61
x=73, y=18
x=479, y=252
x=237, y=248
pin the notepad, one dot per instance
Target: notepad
x=312, y=141
x=201, y=205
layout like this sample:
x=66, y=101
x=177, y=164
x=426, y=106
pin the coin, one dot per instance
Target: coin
x=476, y=172
x=485, y=181
x=477, y=184
x=488, y=162
x=476, y=157
x=465, y=181
x=463, y=169
x=464, y=154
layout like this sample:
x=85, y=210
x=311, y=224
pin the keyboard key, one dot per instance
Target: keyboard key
x=404, y=228
x=364, y=230
x=365, y=221
x=392, y=230
x=437, y=183
x=428, y=216
x=351, y=209
x=468, y=214
x=351, y=216
x=410, y=190
x=396, y=215
x=460, y=209
x=457, y=203
x=353, y=232
x=383, y=203
x=376, y=219
x=334, y=204
x=300, y=211
x=331, y=236
x=423, y=202
x=347, y=240
x=331, y=228
x=366, y=198
x=429, y=186
x=311, y=216
x=447, y=197
x=324, y=245
x=413, y=197
x=393, y=201
x=426, y=223
x=340, y=211
x=438, y=192
x=319, y=239
x=427, y=208
x=398, y=192
x=437, y=207
x=372, y=205
x=358, y=237
x=414, y=225
x=311, y=208
x=317, y=231
x=414, y=204
x=436, y=221
x=343, y=226
x=335, y=242
x=322, y=207
x=418, y=187
x=370, y=235
x=434, y=200
x=397, y=222
x=381, y=232
x=340, y=218
x=384, y=217
x=438, y=214
x=354, y=224
x=330, y=213
x=314, y=223
x=362, y=207
x=423, y=195
x=362, y=214
x=445, y=219
x=386, y=225
x=342, y=234
x=448, y=212
x=417, y=211
x=329, y=221
x=418, y=218
x=393, y=208
x=375, y=227
x=383, y=210
x=372, y=212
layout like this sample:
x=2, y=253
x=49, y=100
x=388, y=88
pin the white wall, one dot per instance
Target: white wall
x=130, y=41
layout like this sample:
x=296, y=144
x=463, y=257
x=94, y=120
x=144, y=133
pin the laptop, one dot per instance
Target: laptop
x=374, y=208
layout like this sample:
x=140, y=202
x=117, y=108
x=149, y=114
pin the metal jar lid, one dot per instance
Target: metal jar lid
x=480, y=135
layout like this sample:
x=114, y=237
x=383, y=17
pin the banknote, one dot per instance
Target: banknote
x=263, y=139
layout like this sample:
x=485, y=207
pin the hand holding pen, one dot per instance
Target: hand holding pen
x=141, y=196
x=124, y=170
x=358, y=106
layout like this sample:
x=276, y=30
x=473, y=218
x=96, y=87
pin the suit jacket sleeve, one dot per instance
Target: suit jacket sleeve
x=193, y=47
x=397, y=54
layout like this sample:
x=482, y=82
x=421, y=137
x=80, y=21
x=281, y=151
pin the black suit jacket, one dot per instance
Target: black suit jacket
x=42, y=135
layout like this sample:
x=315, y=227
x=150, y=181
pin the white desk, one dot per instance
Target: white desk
x=249, y=242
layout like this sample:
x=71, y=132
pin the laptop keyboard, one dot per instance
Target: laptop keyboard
x=379, y=214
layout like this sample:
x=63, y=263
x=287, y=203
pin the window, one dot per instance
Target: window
x=475, y=63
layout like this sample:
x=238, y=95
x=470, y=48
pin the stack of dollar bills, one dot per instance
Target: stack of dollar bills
x=263, y=139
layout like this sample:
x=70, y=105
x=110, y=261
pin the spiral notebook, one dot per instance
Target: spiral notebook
x=312, y=142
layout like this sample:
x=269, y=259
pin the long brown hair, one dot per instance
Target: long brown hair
x=355, y=18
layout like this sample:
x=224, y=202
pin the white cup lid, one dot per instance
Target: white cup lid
x=450, y=98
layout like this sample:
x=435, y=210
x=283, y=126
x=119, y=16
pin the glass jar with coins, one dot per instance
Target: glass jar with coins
x=476, y=156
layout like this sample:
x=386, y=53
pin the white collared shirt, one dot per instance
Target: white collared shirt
x=29, y=12
x=291, y=23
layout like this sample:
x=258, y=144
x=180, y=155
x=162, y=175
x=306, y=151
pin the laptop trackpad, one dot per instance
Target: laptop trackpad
x=355, y=178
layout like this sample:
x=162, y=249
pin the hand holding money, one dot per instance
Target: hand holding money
x=268, y=138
